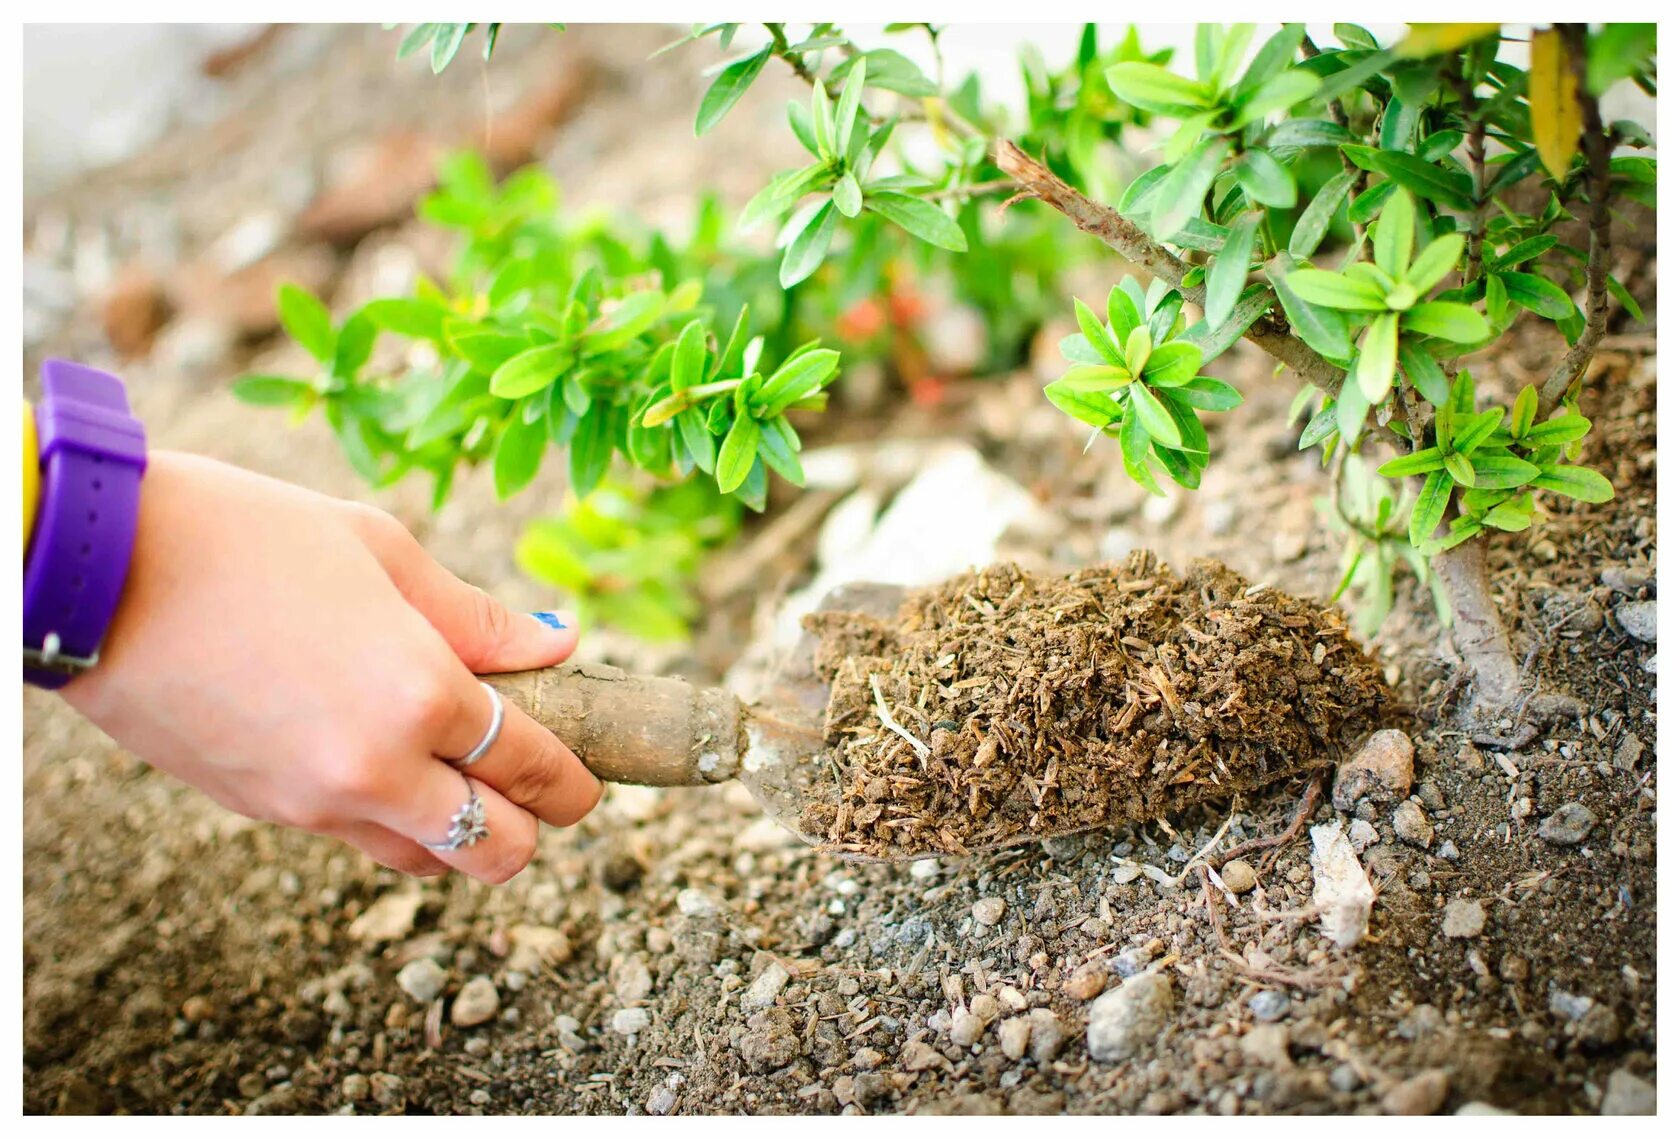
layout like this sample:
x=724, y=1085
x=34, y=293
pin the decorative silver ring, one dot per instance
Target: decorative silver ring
x=489, y=740
x=466, y=827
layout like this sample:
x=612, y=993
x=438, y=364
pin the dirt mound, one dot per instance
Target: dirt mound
x=1002, y=706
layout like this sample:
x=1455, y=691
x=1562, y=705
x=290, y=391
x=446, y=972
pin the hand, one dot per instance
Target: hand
x=302, y=660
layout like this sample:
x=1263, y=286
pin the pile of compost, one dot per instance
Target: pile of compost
x=1002, y=705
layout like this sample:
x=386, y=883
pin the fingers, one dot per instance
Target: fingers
x=530, y=767
x=438, y=794
x=389, y=849
x=484, y=633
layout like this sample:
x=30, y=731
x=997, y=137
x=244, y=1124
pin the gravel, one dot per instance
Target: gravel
x=1627, y=1094
x=1127, y=1019
x=1568, y=825
x=1463, y=919
x=1423, y=1094
x=476, y=1003
x=1269, y=1005
x=1412, y=826
x=764, y=990
x=1639, y=619
x=1239, y=876
x=422, y=979
x=988, y=911
x=629, y=1021
x=1380, y=770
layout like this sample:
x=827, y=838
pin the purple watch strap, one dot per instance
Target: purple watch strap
x=93, y=453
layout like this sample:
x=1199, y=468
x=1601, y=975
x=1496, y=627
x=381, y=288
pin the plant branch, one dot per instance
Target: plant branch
x=1596, y=144
x=1476, y=130
x=1126, y=239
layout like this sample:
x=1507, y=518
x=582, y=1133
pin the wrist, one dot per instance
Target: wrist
x=92, y=456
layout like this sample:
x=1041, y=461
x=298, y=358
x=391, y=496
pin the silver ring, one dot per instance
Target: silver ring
x=466, y=826
x=489, y=740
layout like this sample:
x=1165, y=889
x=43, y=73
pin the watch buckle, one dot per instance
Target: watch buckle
x=52, y=657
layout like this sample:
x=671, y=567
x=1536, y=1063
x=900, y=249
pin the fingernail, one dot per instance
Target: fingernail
x=552, y=620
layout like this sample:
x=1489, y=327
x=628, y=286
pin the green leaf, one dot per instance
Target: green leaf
x=484, y=347
x=918, y=218
x=798, y=377
x=845, y=115
x=778, y=447
x=1139, y=345
x=1557, y=432
x=1368, y=204
x=1468, y=434
x=308, y=322
x=1459, y=467
x=688, y=365
x=1265, y=180
x=271, y=391
x=1155, y=419
x=1315, y=220
x=728, y=88
x=1391, y=236
x=1180, y=196
x=1416, y=463
x=1377, y=354
x=1502, y=471
x=518, y=454
x=1096, y=335
x=530, y=371
x=1430, y=506
x=1172, y=364
x=1509, y=517
x=1123, y=315
x=1435, y=261
x=891, y=71
x=1337, y=290
x=591, y=449
x=1526, y=250
x=1096, y=408
x=1575, y=482
x=417, y=37
x=848, y=199
x=1134, y=450
x=1274, y=55
x=415, y=318
x=1319, y=428
x=1538, y=295
x=806, y=251
x=1625, y=298
x=1448, y=321
x=445, y=44
x=701, y=444
x=1324, y=330
x=1438, y=184
x=740, y=448
x=1351, y=407
x=1424, y=372
x=822, y=119
x=783, y=191
x=1425, y=40
x=1276, y=94
x=1154, y=88
x=629, y=318
x=1208, y=394
x=1230, y=270
x=1522, y=411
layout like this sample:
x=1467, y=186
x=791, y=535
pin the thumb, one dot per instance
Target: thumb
x=484, y=633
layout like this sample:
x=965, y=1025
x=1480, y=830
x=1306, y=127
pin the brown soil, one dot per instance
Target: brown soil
x=1030, y=706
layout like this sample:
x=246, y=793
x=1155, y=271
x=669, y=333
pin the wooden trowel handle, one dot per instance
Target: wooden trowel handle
x=652, y=730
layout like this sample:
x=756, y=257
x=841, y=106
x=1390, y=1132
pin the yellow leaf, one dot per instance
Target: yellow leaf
x=1438, y=39
x=1553, y=106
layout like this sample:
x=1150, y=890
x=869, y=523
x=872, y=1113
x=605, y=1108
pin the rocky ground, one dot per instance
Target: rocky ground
x=676, y=953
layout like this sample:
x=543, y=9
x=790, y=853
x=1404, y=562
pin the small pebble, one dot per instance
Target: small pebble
x=1269, y=1005
x=692, y=903
x=1013, y=1035
x=1627, y=1094
x=762, y=993
x=629, y=1021
x=988, y=911
x=661, y=1100
x=1239, y=876
x=476, y=1003
x=422, y=979
x=1086, y=984
x=1412, y=826
x=1380, y=770
x=966, y=1029
x=1639, y=619
x=1128, y=1019
x=1423, y=1094
x=355, y=1088
x=1568, y=825
x=1463, y=919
